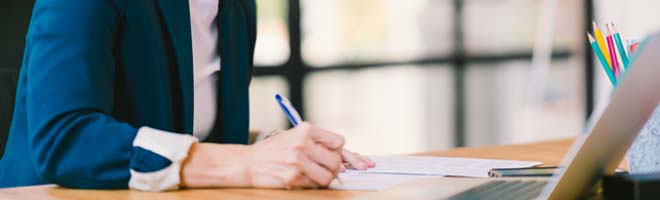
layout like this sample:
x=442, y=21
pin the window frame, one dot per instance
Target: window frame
x=295, y=70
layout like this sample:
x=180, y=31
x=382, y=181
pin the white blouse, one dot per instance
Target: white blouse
x=206, y=62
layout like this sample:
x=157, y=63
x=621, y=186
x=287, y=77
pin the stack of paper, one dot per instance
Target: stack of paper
x=394, y=170
x=423, y=165
x=358, y=180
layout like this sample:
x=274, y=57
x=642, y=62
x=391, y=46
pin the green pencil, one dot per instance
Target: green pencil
x=619, y=44
x=603, y=62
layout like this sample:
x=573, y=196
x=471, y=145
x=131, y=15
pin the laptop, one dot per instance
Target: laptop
x=609, y=133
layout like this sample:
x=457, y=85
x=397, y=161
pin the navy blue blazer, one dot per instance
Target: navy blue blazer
x=94, y=71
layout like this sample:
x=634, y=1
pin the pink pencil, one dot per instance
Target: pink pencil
x=612, y=48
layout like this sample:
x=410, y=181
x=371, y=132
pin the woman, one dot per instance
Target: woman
x=118, y=93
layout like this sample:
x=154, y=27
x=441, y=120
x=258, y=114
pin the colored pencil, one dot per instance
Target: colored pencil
x=613, y=58
x=620, y=46
x=601, y=57
x=601, y=43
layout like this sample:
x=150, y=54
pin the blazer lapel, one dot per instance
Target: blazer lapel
x=235, y=46
x=176, y=16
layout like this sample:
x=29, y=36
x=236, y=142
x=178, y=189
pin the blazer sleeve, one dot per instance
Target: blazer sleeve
x=74, y=141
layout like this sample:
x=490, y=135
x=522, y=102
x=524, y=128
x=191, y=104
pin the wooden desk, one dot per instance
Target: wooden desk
x=550, y=153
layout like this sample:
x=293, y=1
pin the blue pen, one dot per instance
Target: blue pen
x=292, y=114
x=289, y=110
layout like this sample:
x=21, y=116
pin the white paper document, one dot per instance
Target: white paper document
x=358, y=180
x=445, y=166
x=394, y=170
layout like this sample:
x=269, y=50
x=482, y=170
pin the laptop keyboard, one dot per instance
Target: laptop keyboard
x=509, y=189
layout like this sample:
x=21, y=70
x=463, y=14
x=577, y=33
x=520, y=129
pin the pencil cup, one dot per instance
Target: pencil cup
x=644, y=154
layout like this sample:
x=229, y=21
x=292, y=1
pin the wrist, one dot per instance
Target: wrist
x=215, y=165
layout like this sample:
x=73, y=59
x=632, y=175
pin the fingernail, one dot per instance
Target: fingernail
x=363, y=165
x=342, y=168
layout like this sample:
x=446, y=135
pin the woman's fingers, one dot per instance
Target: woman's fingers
x=365, y=159
x=303, y=182
x=320, y=175
x=357, y=161
x=329, y=139
x=326, y=158
x=353, y=160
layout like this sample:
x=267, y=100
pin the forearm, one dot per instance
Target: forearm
x=216, y=165
x=61, y=144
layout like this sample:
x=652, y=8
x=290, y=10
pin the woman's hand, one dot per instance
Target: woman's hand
x=356, y=160
x=303, y=157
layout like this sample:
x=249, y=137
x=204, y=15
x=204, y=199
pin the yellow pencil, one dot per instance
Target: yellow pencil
x=601, y=57
x=601, y=44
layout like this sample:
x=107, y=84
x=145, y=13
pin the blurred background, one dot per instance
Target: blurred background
x=406, y=76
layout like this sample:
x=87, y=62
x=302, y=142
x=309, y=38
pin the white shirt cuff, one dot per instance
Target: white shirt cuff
x=173, y=146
